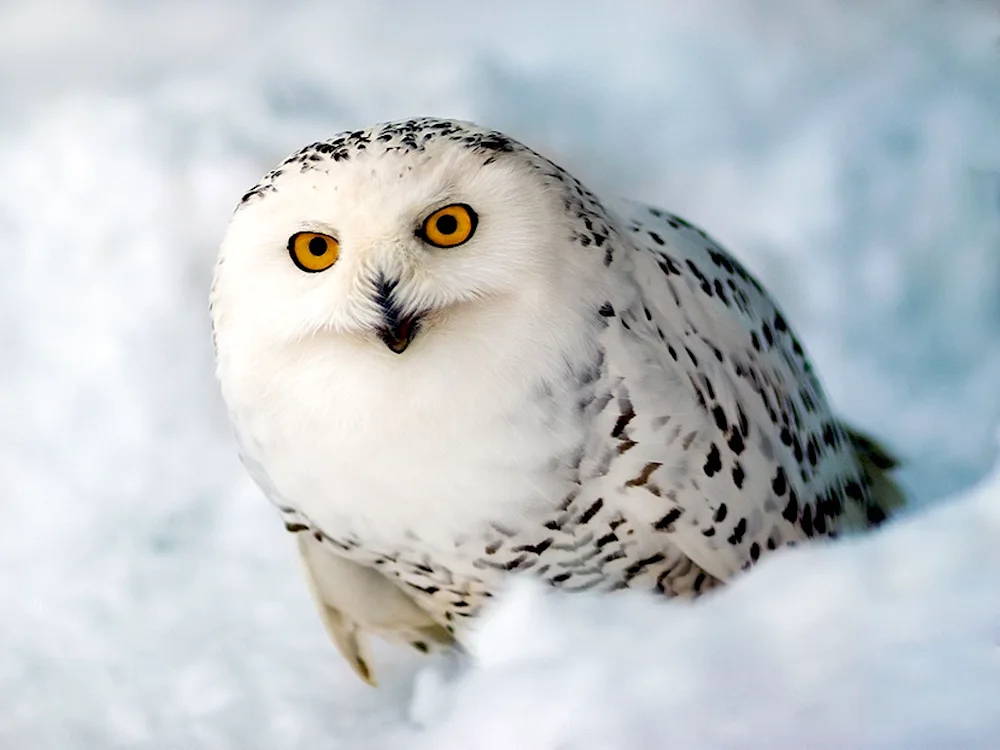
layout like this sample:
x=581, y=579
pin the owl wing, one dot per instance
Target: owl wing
x=771, y=464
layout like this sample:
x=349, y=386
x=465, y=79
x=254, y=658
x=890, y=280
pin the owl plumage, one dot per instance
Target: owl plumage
x=447, y=362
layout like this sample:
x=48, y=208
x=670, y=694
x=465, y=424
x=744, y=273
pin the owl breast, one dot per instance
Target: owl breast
x=390, y=458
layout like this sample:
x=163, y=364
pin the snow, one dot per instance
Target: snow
x=891, y=641
x=148, y=595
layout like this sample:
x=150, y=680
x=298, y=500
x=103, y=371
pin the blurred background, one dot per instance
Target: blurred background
x=848, y=151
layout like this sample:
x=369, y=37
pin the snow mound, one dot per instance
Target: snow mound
x=886, y=641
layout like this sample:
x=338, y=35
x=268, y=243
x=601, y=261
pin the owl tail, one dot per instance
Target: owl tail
x=884, y=493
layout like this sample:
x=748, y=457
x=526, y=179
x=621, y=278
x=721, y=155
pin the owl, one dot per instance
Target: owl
x=447, y=362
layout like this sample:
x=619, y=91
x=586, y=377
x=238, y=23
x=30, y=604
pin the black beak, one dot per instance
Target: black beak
x=397, y=330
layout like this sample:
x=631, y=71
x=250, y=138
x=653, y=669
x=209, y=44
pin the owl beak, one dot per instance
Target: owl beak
x=397, y=330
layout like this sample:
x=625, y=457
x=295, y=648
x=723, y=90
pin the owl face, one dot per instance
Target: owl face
x=392, y=246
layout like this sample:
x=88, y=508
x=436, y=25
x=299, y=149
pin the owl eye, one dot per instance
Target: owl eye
x=449, y=226
x=313, y=252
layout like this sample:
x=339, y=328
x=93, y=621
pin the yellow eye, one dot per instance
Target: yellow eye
x=450, y=226
x=313, y=252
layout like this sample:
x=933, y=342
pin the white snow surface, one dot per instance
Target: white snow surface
x=849, y=152
x=888, y=642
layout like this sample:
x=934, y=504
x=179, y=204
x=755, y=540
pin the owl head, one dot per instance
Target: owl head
x=410, y=236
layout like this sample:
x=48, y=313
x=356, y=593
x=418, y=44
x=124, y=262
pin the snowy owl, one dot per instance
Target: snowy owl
x=447, y=362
